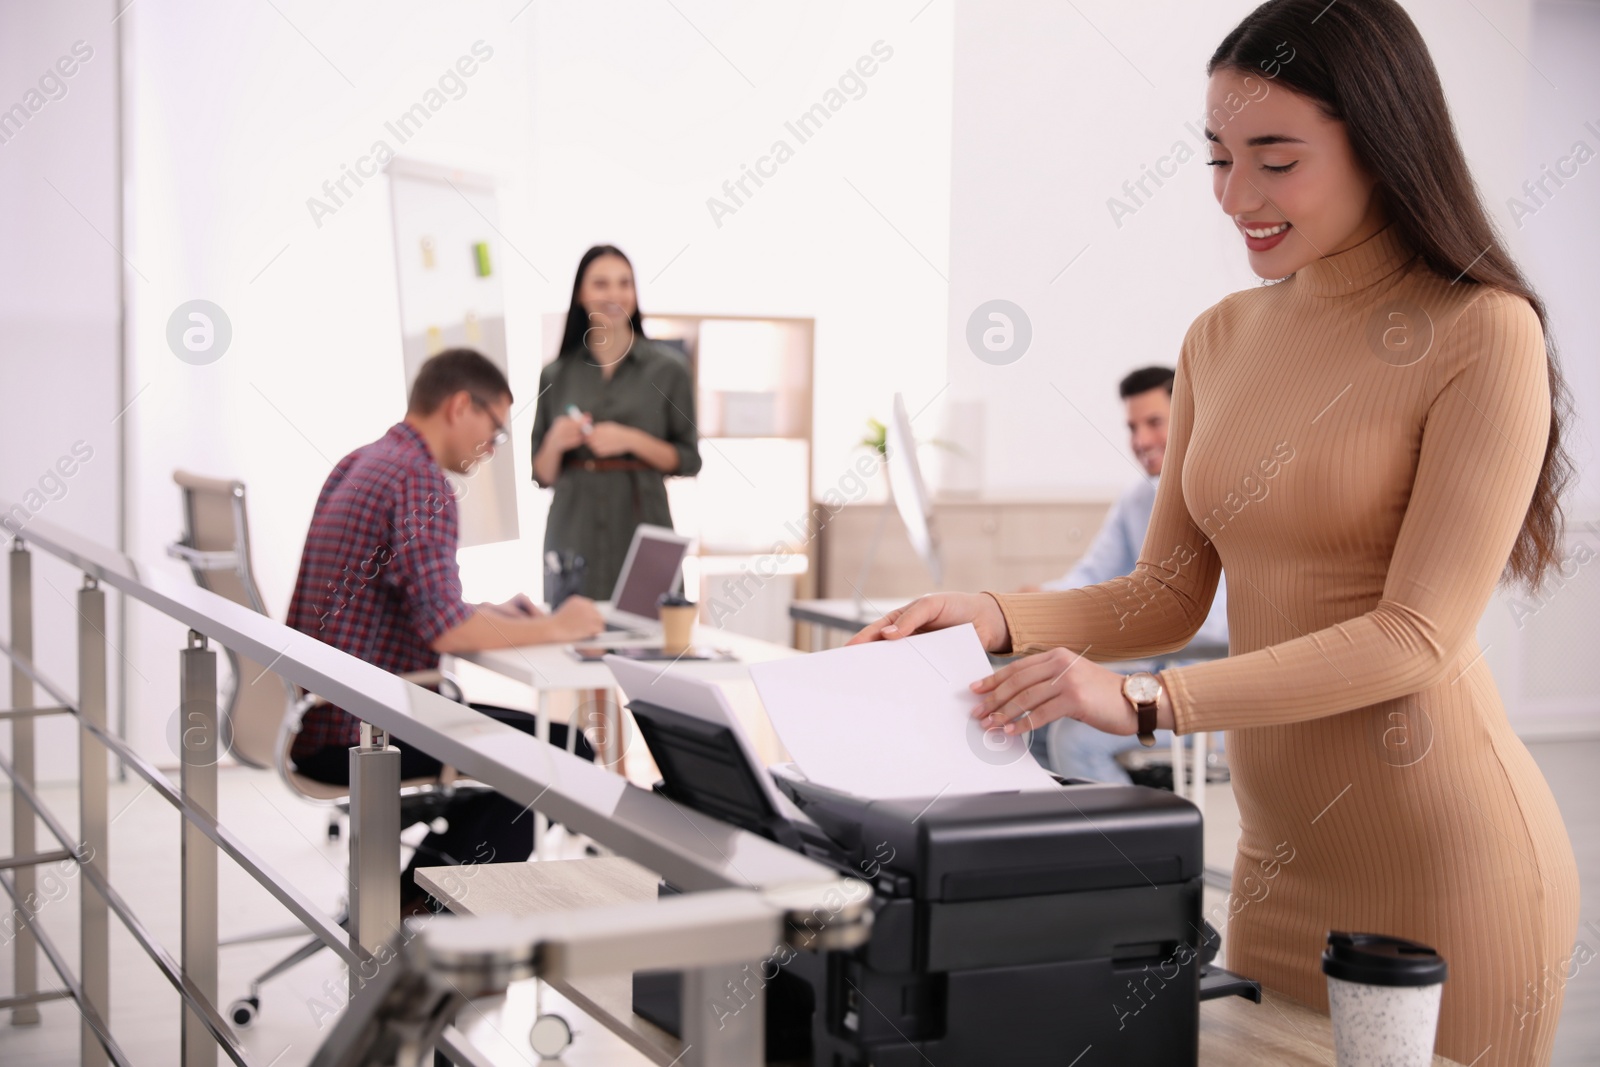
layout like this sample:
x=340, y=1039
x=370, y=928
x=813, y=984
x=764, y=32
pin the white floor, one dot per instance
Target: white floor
x=291, y=836
x=297, y=1007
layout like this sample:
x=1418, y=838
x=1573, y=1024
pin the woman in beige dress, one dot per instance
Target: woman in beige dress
x=1368, y=446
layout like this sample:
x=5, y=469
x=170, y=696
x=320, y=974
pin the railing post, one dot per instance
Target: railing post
x=374, y=842
x=94, y=916
x=541, y=730
x=713, y=1036
x=25, y=962
x=1179, y=754
x=198, y=780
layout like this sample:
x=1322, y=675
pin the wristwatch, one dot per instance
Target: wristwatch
x=1143, y=691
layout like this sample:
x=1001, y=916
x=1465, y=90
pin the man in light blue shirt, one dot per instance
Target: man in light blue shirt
x=1068, y=747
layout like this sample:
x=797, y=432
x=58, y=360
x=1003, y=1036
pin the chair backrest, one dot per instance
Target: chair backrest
x=216, y=545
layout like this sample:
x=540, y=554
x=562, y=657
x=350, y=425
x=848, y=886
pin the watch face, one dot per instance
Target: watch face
x=1142, y=688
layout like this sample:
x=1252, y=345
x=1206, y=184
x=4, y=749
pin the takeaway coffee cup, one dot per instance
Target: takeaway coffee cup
x=1383, y=996
x=677, y=623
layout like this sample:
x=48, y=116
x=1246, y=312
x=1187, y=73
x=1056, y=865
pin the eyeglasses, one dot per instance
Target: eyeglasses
x=501, y=434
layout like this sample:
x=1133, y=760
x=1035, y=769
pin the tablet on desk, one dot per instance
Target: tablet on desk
x=651, y=653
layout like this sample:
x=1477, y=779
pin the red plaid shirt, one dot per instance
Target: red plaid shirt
x=378, y=578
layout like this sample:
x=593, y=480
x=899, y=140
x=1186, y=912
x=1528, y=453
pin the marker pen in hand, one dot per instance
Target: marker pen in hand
x=572, y=410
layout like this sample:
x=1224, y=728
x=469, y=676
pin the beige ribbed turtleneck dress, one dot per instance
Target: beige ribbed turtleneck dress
x=1357, y=446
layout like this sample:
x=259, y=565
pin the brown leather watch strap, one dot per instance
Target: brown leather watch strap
x=1147, y=724
x=1136, y=687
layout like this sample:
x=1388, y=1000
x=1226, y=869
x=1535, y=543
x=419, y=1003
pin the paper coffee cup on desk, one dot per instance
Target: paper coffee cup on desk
x=1383, y=998
x=677, y=623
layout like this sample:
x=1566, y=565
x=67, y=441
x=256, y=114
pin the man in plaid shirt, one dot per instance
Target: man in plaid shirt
x=378, y=579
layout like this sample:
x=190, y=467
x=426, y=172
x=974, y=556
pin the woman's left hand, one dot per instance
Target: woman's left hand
x=609, y=439
x=1058, y=684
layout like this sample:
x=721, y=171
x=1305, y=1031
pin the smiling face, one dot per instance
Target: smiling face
x=1148, y=415
x=607, y=289
x=1286, y=174
x=607, y=295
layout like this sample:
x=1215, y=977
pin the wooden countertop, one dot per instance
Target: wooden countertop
x=1234, y=1032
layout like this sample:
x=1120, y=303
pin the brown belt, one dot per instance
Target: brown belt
x=611, y=464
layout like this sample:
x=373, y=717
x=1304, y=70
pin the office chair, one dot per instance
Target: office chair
x=260, y=712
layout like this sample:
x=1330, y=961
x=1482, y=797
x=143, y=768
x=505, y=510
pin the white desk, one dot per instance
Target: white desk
x=548, y=668
x=553, y=668
x=829, y=619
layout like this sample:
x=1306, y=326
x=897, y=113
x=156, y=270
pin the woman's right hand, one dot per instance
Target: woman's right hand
x=579, y=618
x=937, y=611
x=566, y=432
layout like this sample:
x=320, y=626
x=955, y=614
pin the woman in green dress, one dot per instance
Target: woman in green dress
x=615, y=416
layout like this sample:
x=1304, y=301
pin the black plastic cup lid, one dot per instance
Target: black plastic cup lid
x=1377, y=959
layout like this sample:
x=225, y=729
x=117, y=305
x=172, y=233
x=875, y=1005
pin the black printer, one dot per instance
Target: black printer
x=1058, y=928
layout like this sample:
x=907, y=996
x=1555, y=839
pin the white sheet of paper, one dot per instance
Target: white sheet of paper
x=893, y=719
x=654, y=683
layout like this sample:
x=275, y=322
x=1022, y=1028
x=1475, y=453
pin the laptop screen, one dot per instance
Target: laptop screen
x=654, y=571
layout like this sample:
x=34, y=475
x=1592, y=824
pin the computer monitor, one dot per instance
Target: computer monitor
x=910, y=492
x=650, y=569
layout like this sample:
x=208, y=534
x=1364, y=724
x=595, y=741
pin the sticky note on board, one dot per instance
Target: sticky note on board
x=480, y=258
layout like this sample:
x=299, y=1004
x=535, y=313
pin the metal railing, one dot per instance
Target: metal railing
x=690, y=850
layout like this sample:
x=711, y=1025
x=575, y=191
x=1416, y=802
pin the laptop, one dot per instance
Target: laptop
x=651, y=568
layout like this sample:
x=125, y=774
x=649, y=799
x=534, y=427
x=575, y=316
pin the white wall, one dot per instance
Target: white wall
x=600, y=124
x=1532, y=642
x=59, y=360
x=1050, y=120
x=240, y=115
x=1056, y=107
x=1562, y=255
x=636, y=132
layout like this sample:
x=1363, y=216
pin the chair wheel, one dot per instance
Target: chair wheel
x=550, y=1036
x=242, y=1012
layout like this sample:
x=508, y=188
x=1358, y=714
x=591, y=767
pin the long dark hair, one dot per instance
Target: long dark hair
x=1366, y=65
x=572, y=341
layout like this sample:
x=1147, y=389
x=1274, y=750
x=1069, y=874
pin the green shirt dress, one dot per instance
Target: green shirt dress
x=594, y=513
